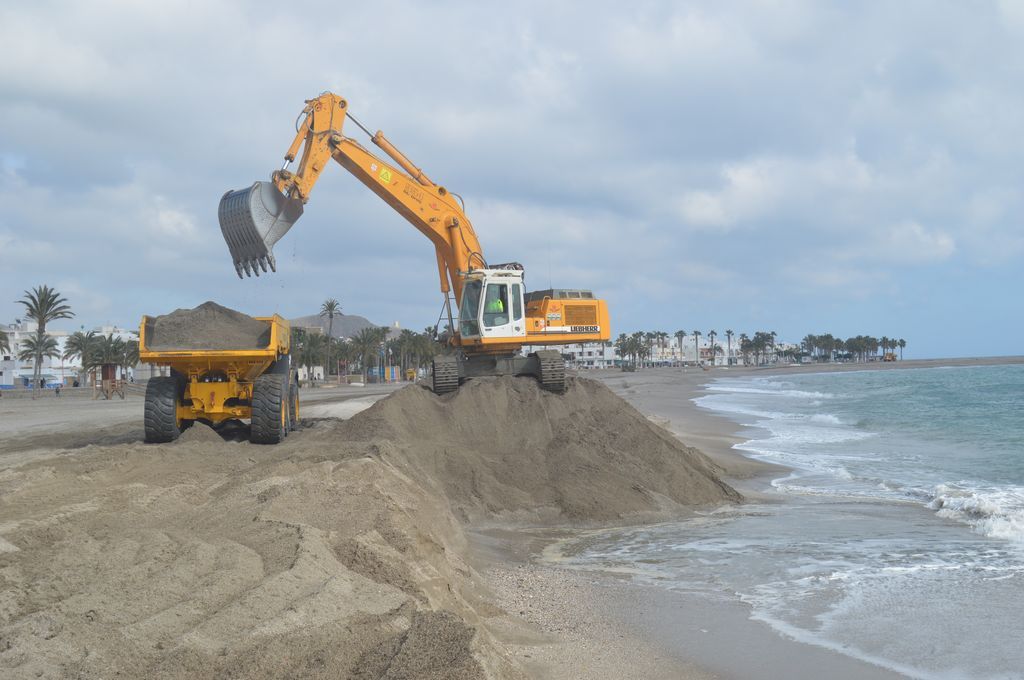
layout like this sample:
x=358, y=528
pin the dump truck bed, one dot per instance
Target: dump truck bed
x=246, y=363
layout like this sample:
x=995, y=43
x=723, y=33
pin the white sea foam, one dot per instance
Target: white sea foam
x=993, y=512
x=823, y=447
x=798, y=394
x=801, y=432
x=713, y=404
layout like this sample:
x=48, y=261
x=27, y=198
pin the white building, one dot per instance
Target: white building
x=15, y=373
x=690, y=351
x=582, y=355
x=591, y=355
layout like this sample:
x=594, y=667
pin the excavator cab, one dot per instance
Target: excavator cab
x=492, y=305
x=252, y=220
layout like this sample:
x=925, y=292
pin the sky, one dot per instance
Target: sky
x=797, y=167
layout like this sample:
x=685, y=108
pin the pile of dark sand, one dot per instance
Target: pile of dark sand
x=502, y=448
x=203, y=561
x=208, y=326
x=199, y=433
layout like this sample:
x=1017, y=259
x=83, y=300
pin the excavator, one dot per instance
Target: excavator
x=497, y=318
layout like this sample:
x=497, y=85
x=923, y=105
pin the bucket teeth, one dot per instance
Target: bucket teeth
x=252, y=220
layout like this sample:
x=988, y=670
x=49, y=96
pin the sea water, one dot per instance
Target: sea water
x=900, y=538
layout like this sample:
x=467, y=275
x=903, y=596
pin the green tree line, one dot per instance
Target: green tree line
x=760, y=348
x=363, y=352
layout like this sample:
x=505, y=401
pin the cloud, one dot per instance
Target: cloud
x=909, y=242
x=750, y=190
x=778, y=188
x=652, y=151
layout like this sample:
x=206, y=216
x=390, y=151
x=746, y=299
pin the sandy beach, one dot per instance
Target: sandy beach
x=341, y=552
x=384, y=539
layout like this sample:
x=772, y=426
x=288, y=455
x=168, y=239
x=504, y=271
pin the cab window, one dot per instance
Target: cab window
x=517, y=303
x=496, y=309
x=469, y=309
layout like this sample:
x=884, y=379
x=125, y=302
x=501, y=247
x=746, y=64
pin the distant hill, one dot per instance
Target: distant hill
x=345, y=325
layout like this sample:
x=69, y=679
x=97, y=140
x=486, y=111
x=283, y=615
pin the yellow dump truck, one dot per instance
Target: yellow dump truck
x=216, y=385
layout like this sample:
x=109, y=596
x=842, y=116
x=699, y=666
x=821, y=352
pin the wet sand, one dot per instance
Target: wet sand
x=663, y=634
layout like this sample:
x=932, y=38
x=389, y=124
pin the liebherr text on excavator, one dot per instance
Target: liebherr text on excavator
x=496, y=316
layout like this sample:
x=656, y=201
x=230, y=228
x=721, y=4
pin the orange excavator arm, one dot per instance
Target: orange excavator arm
x=427, y=206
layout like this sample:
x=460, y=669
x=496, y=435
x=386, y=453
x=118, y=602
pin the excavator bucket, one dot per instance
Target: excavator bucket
x=252, y=221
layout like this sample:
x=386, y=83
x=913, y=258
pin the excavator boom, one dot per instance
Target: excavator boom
x=497, y=317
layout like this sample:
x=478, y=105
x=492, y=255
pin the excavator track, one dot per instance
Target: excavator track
x=445, y=374
x=552, y=371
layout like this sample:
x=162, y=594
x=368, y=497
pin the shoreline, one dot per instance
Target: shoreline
x=604, y=625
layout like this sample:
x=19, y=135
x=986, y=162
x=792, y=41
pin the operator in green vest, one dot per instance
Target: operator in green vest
x=493, y=305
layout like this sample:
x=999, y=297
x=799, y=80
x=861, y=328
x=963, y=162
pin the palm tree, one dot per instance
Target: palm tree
x=679, y=341
x=43, y=305
x=426, y=347
x=129, y=357
x=696, y=347
x=341, y=351
x=5, y=342
x=638, y=347
x=109, y=350
x=663, y=342
x=728, y=343
x=367, y=345
x=329, y=308
x=622, y=346
x=34, y=348
x=311, y=351
x=745, y=347
x=902, y=343
x=406, y=344
x=83, y=346
x=711, y=336
x=773, y=334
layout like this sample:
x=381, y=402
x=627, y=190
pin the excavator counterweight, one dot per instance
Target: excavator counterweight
x=252, y=221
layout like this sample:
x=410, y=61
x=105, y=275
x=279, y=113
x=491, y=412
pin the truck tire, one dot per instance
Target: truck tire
x=161, y=411
x=269, y=409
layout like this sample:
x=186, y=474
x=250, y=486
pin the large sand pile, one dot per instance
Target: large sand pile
x=226, y=560
x=208, y=326
x=336, y=554
x=504, y=448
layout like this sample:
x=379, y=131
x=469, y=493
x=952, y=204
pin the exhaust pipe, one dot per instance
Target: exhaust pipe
x=252, y=220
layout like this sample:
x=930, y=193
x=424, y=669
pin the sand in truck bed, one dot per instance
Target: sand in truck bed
x=207, y=327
